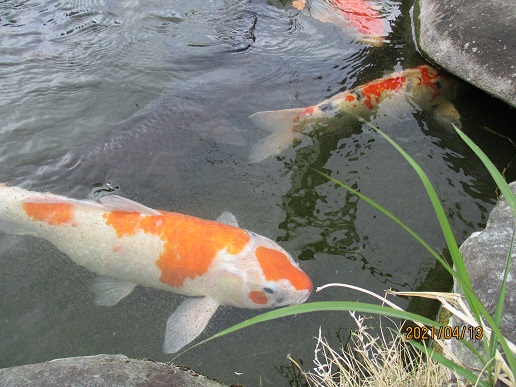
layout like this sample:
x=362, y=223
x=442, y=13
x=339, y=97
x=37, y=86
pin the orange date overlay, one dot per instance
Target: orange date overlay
x=444, y=332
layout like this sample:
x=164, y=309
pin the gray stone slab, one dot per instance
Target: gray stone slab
x=485, y=255
x=102, y=370
x=473, y=39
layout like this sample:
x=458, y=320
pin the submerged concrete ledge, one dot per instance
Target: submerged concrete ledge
x=472, y=39
x=102, y=370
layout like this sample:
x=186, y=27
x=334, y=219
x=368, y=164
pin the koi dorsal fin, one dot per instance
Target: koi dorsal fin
x=119, y=203
x=48, y=198
x=228, y=218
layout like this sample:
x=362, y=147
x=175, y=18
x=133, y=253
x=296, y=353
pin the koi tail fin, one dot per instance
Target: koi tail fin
x=281, y=123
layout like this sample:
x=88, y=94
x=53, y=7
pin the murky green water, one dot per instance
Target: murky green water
x=154, y=97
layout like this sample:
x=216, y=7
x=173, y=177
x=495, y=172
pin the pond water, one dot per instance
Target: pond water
x=151, y=99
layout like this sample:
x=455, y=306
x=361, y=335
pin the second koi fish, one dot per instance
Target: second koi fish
x=127, y=244
x=424, y=85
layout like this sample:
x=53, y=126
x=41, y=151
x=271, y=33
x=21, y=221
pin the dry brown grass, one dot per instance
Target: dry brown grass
x=364, y=360
x=374, y=360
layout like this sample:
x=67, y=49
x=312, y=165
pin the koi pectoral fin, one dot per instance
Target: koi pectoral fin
x=222, y=131
x=187, y=322
x=108, y=291
x=446, y=114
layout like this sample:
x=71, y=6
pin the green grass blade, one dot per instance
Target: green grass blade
x=395, y=219
x=503, y=289
x=324, y=306
x=472, y=298
x=497, y=176
x=498, y=314
x=463, y=284
x=460, y=268
x=436, y=203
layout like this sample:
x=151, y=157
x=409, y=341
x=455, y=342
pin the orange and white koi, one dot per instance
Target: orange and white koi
x=424, y=85
x=127, y=244
x=353, y=15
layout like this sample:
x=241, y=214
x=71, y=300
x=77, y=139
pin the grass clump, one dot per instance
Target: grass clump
x=379, y=360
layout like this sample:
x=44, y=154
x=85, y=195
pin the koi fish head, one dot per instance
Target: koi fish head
x=262, y=275
x=428, y=78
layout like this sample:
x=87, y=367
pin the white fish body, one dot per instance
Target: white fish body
x=128, y=244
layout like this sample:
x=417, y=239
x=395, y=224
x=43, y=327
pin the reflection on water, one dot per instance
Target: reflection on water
x=155, y=100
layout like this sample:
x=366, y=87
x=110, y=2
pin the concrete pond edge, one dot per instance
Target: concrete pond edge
x=103, y=370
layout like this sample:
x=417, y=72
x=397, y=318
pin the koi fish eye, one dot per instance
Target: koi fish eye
x=326, y=106
x=438, y=84
x=269, y=290
x=357, y=94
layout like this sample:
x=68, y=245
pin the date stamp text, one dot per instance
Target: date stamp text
x=444, y=332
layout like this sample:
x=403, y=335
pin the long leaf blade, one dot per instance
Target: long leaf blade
x=506, y=191
x=324, y=306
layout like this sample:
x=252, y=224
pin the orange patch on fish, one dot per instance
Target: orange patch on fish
x=309, y=111
x=190, y=244
x=277, y=266
x=55, y=214
x=258, y=297
x=306, y=112
x=124, y=223
x=373, y=92
x=362, y=16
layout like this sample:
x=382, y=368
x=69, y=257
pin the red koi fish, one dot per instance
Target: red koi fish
x=425, y=85
x=128, y=244
x=354, y=15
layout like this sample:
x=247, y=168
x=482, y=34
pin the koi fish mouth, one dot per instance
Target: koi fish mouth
x=298, y=299
x=301, y=297
x=304, y=296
